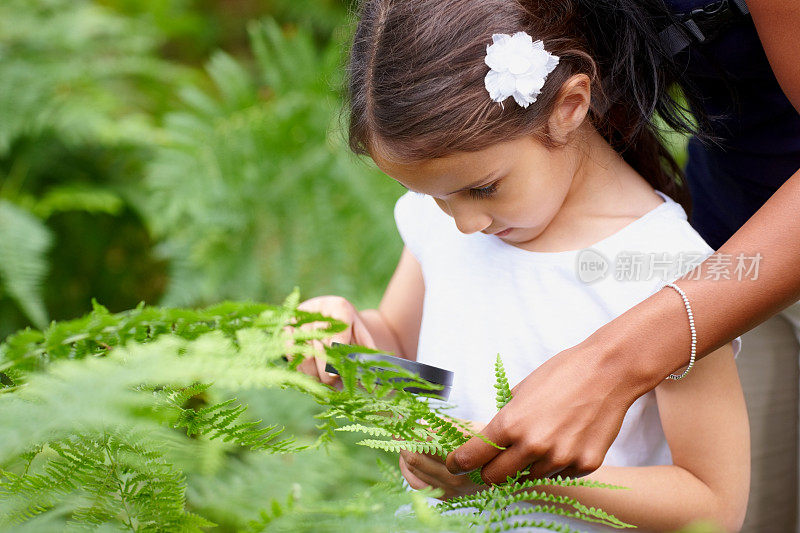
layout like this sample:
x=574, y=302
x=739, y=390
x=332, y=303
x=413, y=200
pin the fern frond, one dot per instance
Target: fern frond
x=24, y=242
x=116, y=477
x=390, y=473
x=221, y=421
x=500, y=497
x=475, y=477
x=539, y=524
x=163, y=369
x=457, y=437
x=100, y=331
x=369, y=430
x=398, y=445
x=60, y=199
x=559, y=481
x=503, y=515
x=501, y=384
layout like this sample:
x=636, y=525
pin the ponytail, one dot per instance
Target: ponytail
x=638, y=78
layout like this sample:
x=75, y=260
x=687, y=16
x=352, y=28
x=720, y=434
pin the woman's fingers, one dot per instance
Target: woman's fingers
x=572, y=472
x=513, y=459
x=476, y=452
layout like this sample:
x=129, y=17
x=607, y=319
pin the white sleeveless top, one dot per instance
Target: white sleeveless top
x=484, y=297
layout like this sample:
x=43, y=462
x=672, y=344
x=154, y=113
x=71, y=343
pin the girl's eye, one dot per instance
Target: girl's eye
x=485, y=192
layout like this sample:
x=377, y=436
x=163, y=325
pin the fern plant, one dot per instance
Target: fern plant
x=101, y=411
x=24, y=242
x=253, y=186
x=80, y=91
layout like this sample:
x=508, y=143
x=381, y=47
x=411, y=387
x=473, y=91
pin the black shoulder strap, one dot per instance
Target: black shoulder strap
x=702, y=24
x=698, y=26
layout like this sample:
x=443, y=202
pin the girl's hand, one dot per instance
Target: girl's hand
x=356, y=333
x=423, y=470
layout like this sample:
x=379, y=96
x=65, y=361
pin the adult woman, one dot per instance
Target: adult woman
x=746, y=197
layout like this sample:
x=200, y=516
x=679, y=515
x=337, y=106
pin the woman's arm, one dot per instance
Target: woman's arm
x=565, y=414
x=396, y=323
x=776, y=22
x=705, y=421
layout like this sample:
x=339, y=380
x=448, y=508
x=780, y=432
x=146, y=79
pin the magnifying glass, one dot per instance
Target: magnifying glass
x=433, y=374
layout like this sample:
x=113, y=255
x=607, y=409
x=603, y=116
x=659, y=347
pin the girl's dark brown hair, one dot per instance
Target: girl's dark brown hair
x=415, y=78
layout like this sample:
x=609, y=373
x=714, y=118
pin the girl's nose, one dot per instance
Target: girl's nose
x=472, y=224
x=468, y=218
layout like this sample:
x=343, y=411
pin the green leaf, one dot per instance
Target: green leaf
x=501, y=384
x=24, y=242
x=62, y=199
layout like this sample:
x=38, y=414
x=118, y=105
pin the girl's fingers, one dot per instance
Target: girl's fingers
x=413, y=481
x=289, y=344
x=321, y=361
x=309, y=367
x=325, y=376
x=426, y=467
x=343, y=337
x=361, y=334
x=315, y=366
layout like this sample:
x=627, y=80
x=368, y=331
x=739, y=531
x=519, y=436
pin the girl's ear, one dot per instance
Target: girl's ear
x=570, y=109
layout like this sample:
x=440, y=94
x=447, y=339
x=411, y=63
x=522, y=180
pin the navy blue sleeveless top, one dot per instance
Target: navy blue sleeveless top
x=759, y=128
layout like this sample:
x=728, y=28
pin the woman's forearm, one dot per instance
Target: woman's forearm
x=660, y=498
x=652, y=339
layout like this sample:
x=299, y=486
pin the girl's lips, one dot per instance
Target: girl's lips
x=503, y=233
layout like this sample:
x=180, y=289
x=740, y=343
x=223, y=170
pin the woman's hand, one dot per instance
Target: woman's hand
x=356, y=333
x=562, y=418
x=423, y=470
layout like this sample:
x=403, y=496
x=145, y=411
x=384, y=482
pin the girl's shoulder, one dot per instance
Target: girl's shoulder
x=664, y=228
x=649, y=227
x=671, y=222
x=418, y=218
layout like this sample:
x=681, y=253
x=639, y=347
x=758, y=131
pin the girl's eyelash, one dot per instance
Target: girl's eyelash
x=485, y=192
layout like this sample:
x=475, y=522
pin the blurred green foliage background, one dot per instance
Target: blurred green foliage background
x=180, y=153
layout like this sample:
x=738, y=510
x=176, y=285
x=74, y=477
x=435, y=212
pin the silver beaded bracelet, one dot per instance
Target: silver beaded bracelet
x=691, y=328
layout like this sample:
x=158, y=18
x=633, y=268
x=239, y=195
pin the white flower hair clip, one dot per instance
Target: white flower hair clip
x=518, y=67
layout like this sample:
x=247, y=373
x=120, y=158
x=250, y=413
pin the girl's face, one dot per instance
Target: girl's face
x=512, y=189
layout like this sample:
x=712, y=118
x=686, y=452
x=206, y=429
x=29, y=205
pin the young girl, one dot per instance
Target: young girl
x=541, y=206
